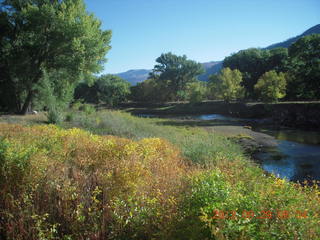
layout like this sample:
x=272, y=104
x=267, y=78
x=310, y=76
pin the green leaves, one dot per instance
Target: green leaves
x=227, y=85
x=109, y=89
x=271, y=86
x=175, y=72
x=254, y=62
x=55, y=36
x=304, y=68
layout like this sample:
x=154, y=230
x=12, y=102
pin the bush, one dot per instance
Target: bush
x=87, y=109
x=54, y=115
x=55, y=99
x=71, y=183
x=225, y=204
x=69, y=117
x=68, y=183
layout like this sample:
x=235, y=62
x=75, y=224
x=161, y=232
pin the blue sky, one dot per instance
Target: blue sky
x=204, y=30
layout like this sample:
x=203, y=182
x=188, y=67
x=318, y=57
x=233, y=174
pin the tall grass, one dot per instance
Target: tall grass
x=196, y=144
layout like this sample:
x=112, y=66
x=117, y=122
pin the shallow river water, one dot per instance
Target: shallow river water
x=296, y=156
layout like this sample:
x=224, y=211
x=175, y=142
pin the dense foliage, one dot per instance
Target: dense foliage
x=271, y=86
x=196, y=91
x=253, y=63
x=227, y=85
x=108, y=89
x=148, y=91
x=301, y=62
x=173, y=75
x=304, y=68
x=56, y=37
x=174, y=72
x=69, y=184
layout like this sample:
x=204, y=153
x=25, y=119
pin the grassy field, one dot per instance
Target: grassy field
x=124, y=177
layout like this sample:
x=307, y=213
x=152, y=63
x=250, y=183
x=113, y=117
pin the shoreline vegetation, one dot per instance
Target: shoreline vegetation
x=171, y=180
x=295, y=114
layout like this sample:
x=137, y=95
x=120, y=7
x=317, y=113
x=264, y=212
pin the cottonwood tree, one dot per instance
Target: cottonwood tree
x=109, y=89
x=304, y=68
x=196, y=91
x=58, y=37
x=175, y=72
x=227, y=85
x=254, y=62
x=271, y=86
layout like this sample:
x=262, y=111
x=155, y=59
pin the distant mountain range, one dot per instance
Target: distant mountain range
x=138, y=75
x=135, y=76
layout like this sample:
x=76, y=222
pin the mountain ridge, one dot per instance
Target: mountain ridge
x=288, y=42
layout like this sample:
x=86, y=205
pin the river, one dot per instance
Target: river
x=296, y=156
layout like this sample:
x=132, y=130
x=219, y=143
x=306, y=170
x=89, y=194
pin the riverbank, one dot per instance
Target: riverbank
x=238, y=130
x=301, y=115
x=219, y=176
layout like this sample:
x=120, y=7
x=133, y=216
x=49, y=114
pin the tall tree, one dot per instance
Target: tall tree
x=227, y=84
x=56, y=36
x=175, y=72
x=109, y=89
x=196, y=91
x=304, y=68
x=271, y=86
x=254, y=62
x=149, y=90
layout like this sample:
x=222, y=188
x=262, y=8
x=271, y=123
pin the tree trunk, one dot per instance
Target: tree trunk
x=27, y=103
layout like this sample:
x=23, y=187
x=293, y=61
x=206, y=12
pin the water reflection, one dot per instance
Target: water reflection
x=298, y=162
x=297, y=156
x=300, y=136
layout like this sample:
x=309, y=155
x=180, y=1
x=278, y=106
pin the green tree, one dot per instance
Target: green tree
x=175, y=72
x=58, y=37
x=304, y=68
x=227, y=84
x=271, y=86
x=109, y=89
x=112, y=89
x=254, y=62
x=149, y=90
x=196, y=91
x=52, y=96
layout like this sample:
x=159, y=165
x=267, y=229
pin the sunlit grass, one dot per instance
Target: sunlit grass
x=196, y=144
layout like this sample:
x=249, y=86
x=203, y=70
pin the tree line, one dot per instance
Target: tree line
x=51, y=53
x=251, y=74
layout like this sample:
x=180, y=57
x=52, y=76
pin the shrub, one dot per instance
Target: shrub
x=234, y=201
x=87, y=109
x=54, y=116
x=70, y=183
x=69, y=117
